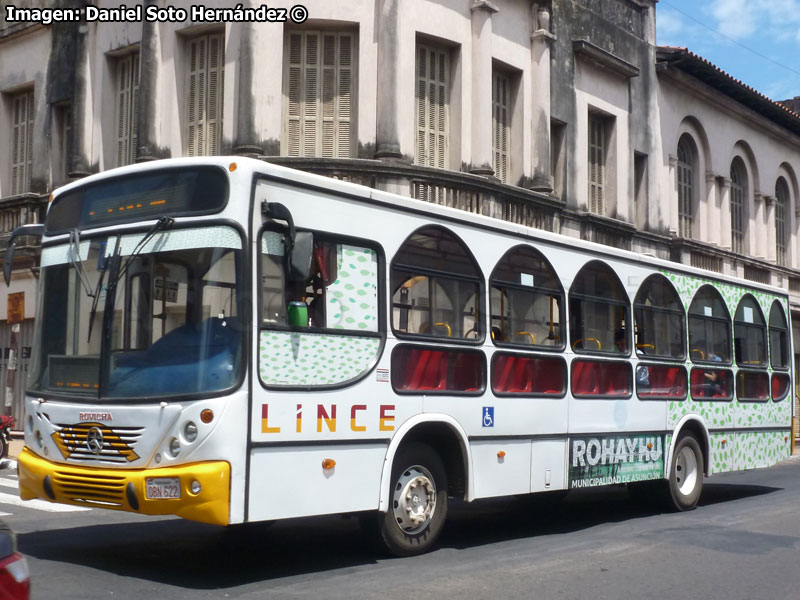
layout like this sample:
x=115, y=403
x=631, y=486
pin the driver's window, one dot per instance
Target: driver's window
x=341, y=291
x=155, y=303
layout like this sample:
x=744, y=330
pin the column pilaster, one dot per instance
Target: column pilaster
x=481, y=150
x=541, y=41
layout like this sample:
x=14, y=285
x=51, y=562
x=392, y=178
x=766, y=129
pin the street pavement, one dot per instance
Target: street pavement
x=741, y=543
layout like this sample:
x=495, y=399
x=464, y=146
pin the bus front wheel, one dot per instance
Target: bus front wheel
x=686, y=473
x=418, y=501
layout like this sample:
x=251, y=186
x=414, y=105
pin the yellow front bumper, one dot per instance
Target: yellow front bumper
x=124, y=489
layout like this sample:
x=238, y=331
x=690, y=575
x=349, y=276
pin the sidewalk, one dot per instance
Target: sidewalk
x=15, y=448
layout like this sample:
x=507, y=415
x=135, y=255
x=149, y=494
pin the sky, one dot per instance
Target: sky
x=756, y=41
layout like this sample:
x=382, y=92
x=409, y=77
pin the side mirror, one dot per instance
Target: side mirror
x=8, y=263
x=299, y=262
x=299, y=246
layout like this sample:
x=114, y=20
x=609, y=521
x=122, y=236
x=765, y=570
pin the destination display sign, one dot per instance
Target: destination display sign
x=134, y=197
x=614, y=459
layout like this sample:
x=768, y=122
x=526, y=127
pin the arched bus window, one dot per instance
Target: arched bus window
x=659, y=320
x=526, y=300
x=779, y=352
x=749, y=334
x=599, y=312
x=709, y=328
x=436, y=287
x=778, y=337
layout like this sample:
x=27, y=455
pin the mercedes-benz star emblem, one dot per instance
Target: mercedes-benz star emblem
x=94, y=440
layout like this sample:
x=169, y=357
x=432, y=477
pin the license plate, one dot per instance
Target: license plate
x=163, y=488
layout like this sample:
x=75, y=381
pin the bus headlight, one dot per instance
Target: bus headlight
x=174, y=447
x=190, y=432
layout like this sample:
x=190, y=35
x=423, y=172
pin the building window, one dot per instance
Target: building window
x=738, y=182
x=558, y=153
x=685, y=189
x=21, y=142
x=501, y=121
x=781, y=202
x=63, y=118
x=640, y=189
x=204, y=93
x=127, y=108
x=433, y=83
x=597, y=164
x=319, y=107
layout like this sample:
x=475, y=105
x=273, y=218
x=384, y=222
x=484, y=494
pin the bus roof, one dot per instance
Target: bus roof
x=392, y=201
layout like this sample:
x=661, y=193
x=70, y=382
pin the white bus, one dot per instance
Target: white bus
x=230, y=341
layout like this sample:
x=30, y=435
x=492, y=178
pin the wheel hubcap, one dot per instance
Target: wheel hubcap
x=686, y=471
x=414, y=499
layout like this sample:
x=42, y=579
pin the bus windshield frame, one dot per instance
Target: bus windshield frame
x=125, y=316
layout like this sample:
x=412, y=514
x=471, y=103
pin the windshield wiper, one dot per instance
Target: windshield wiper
x=76, y=262
x=95, y=301
x=160, y=225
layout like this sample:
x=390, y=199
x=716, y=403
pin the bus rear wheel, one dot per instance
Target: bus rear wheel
x=418, y=502
x=686, y=473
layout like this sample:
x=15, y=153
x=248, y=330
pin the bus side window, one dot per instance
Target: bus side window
x=660, y=321
x=525, y=300
x=341, y=291
x=709, y=328
x=599, y=312
x=436, y=287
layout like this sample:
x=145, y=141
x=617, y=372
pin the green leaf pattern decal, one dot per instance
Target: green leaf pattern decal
x=741, y=449
x=293, y=359
x=352, y=300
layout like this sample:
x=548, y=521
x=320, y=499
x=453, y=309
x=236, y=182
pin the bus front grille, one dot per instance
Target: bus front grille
x=98, y=443
x=99, y=490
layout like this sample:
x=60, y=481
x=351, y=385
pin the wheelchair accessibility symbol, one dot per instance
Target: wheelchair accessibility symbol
x=488, y=416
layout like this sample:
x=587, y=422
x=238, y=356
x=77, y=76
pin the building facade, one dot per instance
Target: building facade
x=559, y=114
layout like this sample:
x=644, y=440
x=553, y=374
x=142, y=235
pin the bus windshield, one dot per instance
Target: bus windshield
x=170, y=326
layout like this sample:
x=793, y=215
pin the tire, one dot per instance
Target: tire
x=418, y=502
x=686, y=473
x=3, y=446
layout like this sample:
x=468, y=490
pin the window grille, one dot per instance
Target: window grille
x=737, y=209
x=319, y=104
x=597, y=153
x=127, y=108
x=501, y=86
x=21, y=142
x=433, y=81
x=205, y=95
x=685, y=191
x=781, y=201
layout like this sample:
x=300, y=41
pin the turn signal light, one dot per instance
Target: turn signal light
x=328, y=463
x=501, y=454
x=724, y=441
x=207, y=415
x=232, y=167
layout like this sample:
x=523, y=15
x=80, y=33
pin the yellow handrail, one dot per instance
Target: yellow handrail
x=591, y=339
x=425, y=326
